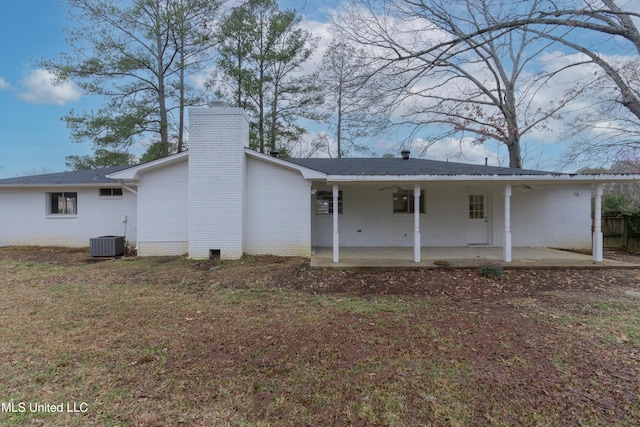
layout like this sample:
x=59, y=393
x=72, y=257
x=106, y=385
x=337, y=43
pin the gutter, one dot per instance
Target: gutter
x=59, y=185
x=559, y=178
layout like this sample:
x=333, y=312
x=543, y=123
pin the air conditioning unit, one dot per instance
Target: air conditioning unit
x=106, y=246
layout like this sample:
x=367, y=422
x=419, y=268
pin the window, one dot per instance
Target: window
x=63, y=203
x=476, y=206
x=111, y=192
x=324, y=202
x=404, y=202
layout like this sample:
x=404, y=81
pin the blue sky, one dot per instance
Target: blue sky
x=32, y=136
x=35, y=140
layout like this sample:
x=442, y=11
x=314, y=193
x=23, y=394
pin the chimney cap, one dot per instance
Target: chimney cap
x=216, y=103
x=405, y=154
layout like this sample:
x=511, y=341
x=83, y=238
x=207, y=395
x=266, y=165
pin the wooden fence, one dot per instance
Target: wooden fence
x=621, y=232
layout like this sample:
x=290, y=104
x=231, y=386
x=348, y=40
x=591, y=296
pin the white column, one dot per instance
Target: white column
x=597, y=222
x=416, y=223
x=336, y=235
x=506, y=248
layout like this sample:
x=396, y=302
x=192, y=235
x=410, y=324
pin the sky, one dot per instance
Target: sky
x=33, y=137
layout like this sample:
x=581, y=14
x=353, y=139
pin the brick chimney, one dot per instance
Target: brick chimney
x=217, y=173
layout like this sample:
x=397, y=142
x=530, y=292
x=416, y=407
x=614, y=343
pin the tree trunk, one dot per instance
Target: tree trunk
x=182, y=96
x=339, y=124
x=515, y=158
x=274, y=119
x=162, y=102
x=261, y=120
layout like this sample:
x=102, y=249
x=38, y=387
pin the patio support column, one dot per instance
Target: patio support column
x=597, y=225
x=506, y=248
x=336, y=235
x=416, y=223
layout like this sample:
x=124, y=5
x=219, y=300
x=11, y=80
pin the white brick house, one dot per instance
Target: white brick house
x=64, y=209
x=221, y=197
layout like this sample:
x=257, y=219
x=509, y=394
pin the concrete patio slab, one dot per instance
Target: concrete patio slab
x=457, y=257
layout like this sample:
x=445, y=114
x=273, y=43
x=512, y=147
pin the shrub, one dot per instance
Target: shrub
x=491, y=271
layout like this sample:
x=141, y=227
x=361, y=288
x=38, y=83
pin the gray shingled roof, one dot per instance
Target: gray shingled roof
x=399, y=166
x=89, y=176
x=348, y=166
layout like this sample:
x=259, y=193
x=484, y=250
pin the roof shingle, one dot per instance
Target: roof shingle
x=87, y=176
x=398, y=166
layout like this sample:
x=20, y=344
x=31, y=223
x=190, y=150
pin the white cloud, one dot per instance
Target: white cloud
x=200, y=79
x=322, y=33
x=3, y=84
x=41, y=88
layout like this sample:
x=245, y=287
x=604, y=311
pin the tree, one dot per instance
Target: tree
x=262, y=49
x=604, y=133
x=193, y=41
x=460, y=67
x=135, y=57
x=100, y=159
x=620, y=198
x=352, y=96
x=610, y=130
x=606, y=34
x=154, y=151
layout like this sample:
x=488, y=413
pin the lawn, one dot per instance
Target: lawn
x=267, y=341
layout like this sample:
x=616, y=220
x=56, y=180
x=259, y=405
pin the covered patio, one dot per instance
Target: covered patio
x=386, y=212
x=457, y=257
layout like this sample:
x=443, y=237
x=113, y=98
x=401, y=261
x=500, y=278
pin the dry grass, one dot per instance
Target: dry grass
x=156, y=342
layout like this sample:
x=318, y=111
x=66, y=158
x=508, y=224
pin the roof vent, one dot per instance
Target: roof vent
x=274, y=153
x=405, y=154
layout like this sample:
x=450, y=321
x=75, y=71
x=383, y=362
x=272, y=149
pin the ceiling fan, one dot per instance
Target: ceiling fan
x=527, y=187
x=395, y=188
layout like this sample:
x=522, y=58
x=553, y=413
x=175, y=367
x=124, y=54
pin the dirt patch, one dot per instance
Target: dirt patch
x=50, y=254
x=294, y=273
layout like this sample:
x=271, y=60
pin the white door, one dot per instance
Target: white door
x=478, y=218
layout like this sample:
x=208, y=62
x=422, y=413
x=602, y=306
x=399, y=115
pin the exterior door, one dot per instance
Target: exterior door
x=478, y=218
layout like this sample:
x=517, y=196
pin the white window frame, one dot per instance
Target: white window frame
x=477, y=206
x=111, y=190
x=408, y=200
x=325, y=199
x=64, y=212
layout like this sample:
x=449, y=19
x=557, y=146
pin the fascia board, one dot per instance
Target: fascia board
x=307, y=173
x=46, y=186
x=555, y=178
x=133, y=173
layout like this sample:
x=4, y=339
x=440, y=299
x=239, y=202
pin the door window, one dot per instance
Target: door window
x=476, y=206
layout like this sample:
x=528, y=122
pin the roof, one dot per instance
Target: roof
x=399, y=166
x=332, y=170
x=128, y=173
x=87, y=176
